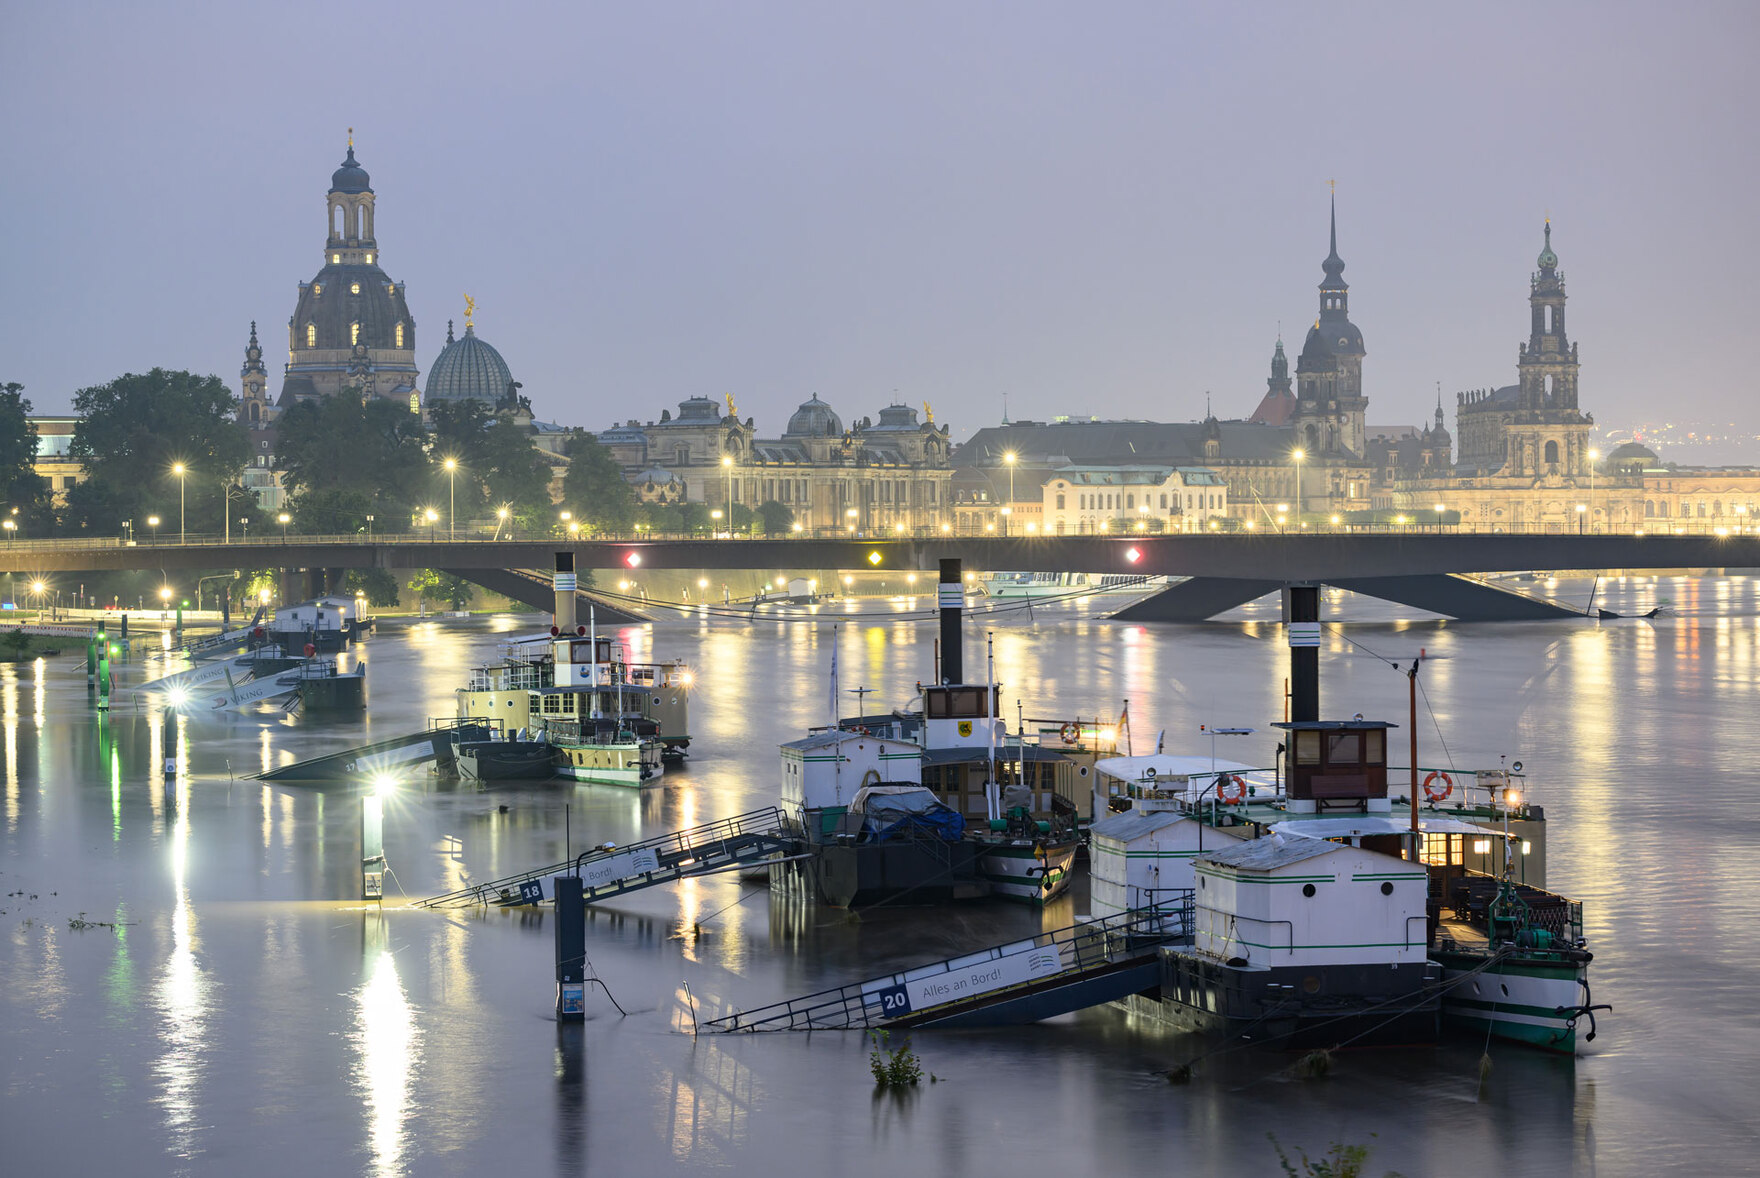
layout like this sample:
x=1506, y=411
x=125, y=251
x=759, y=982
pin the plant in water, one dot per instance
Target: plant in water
x=896, y=1067
x=1340, y=1161
x=1314, y=1065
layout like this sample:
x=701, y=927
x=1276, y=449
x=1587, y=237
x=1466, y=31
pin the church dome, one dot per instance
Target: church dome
x=898, y=417
x=350, y=177
x=814, y=419
x=468, y=369
x=350, y=303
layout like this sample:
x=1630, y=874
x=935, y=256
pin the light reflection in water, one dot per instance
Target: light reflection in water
x=708, y=1103
x=387, y=1040
x=182, y=997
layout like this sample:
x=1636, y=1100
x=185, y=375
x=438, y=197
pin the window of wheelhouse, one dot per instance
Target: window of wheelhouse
x=1307, y=748
x=958, y=703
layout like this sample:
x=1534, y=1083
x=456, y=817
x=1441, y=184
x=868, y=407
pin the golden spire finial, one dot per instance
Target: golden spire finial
x=470, y=310
x=351, y=139
x=928, y=413
x=732, y=409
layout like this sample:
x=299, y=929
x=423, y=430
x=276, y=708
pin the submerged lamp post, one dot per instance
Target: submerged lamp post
x=373, y=837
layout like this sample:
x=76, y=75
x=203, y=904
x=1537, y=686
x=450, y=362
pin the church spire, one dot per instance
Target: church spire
x=1334, y=265
x=253, y=353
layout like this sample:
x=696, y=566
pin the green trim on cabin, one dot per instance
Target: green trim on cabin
x=1286, y=879
x=1230, y=938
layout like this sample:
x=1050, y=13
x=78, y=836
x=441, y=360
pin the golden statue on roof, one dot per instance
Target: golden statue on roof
x=470, y=310
x=732, y=409
x=928, y=413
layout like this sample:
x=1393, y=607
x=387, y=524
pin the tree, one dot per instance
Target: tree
x=777, y=519
x=447, y=587
x=134, y=431
x=377, y=585
x=344, y=459
x=21, y=487
x=594, y=488
x=497, y=464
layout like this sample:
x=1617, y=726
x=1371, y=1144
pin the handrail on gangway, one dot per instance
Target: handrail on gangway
x=699, y=850
x=943, y=989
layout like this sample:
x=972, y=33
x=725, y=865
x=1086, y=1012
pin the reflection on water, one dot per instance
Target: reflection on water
x=252, y=981
x=182, y=998
x=387, y=1043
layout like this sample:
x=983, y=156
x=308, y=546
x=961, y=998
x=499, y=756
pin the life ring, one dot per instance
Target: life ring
x=1070, y=733
x=1230, y=788
x=1431, y=794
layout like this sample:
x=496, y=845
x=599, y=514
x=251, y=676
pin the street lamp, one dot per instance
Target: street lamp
x=1439, y=519
x=727, y=466
x=179, y=469
x=246, y=521
x=433, y=517
x=11, y=528
x=153, y=523
x=1009, y=458
x=451, y=465
x=715, y=527
x=1582, y=509
x=1297, y=455
x=500, y=519
x=284, y=519
x=1594, y=456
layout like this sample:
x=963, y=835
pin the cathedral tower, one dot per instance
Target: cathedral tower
x=351, y=329
x=1330, y=405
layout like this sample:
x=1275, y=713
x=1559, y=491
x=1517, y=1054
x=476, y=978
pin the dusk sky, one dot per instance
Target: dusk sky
x=1095, y=209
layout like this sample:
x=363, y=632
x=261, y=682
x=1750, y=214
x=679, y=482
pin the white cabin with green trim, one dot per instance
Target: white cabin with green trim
x=824, y=771
x=1145, y=856
x=1288, y=900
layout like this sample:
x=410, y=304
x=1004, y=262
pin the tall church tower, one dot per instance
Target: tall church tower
x=1547, y=434
x=253, y=378
x=351, y=329
x=1330, y=405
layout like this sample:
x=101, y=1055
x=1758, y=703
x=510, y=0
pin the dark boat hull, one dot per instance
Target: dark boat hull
x=1302, y=1006
x=505, y=760
x=907, y=872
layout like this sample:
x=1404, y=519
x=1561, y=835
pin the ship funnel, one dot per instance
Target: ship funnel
x=950, y=595
x=565, y=620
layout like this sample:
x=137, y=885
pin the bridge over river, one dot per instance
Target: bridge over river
x=1432, y=571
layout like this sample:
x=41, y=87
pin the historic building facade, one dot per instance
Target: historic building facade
x=351, y=327
x=889, y=476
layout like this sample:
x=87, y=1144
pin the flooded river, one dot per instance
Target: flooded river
x=229, y=1008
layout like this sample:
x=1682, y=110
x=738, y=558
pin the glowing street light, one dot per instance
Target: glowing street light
x=283, y=519
x=451, y=465
x=501, y=514
x=1009, y=458
x=153, y=523
x=179, y=469
x=432, y=517
x=1296, y=456
x=1594, y=456
x=1582, y=512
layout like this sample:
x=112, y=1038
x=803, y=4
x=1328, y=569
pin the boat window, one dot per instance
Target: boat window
x=955, y=703
x=1307, y=748
x=1344, y=748
x=1374, y=747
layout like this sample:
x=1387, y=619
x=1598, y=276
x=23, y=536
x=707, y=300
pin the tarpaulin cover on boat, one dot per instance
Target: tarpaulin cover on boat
x=893, y=811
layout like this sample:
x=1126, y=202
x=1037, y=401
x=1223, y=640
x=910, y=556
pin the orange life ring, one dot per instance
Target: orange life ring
x=1436, y=795
x=1227, y=795
x=1070, y=733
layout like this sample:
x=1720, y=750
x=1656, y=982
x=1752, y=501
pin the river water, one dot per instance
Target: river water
x=233, y=1010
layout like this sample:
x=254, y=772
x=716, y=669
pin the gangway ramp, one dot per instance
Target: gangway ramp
x=1023, y=981
x=714, y=847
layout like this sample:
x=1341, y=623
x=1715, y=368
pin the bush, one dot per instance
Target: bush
x=897, y=1068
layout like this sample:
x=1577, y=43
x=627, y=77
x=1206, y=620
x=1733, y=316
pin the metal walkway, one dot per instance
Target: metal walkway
x=1024, y=981
x=719, y=846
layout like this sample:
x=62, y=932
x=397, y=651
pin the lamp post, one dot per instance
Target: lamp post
x=432, y=517
x=1439, y=509
x=727, y=469
x=451, y=498
x=153, y=523
x=1594, y=457
x=1008, y=457
x=179, y=469
x=369, y=527
x=246, y=521
x=1296, y=456
x=1582, y=510
x=11, y=527
x=283, y=519
x=500, y=519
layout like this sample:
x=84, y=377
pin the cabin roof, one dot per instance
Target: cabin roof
x=833, y=738
x=1362, y=824
x=1268, y=854
x=1330, y=725
x=978, y=754
x=1166, y=765
x=1134, y=824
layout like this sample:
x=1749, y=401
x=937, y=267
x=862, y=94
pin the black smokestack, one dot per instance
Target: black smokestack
x=565, y=623
x=1304, y=652
x=950, y=594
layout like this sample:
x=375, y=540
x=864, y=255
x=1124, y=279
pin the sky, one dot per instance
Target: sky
x=1105, y=209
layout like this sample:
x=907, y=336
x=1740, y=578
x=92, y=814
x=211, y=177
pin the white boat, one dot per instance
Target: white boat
x=583, y=715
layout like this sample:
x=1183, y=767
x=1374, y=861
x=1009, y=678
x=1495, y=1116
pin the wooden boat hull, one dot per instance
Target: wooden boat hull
x=1530, y=1000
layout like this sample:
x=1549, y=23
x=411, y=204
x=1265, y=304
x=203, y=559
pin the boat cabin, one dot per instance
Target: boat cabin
x=1337, y=766
x=961, y=715
x=1145, y=857
x=823, y=772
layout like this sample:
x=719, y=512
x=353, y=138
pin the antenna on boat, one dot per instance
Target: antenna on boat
x=992, y=794
x=1412, y=692
x=593, y=654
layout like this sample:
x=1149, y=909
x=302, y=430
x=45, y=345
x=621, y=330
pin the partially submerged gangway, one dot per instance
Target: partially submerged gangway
x=724, y=845
x=1040, y=977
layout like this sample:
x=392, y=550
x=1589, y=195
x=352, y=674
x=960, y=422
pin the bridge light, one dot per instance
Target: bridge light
x=1335, y=521
x=910, y=578
x=1249, y=525
x=1132, y=555
x=796, y=527
x=633, y=559
x=874, y=559
x=165, y=594
x=702, y=582
x=946, y=528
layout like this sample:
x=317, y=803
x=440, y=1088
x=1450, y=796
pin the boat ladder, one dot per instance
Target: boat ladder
x=723, y=845
x=1039, y=977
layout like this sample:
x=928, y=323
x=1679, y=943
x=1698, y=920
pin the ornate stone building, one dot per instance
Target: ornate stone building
x=1330, y=404
x=889, y=476
x=1533, y=428
x=351, y=327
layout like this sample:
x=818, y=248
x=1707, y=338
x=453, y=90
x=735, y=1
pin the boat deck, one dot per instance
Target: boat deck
x=1464, y=935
